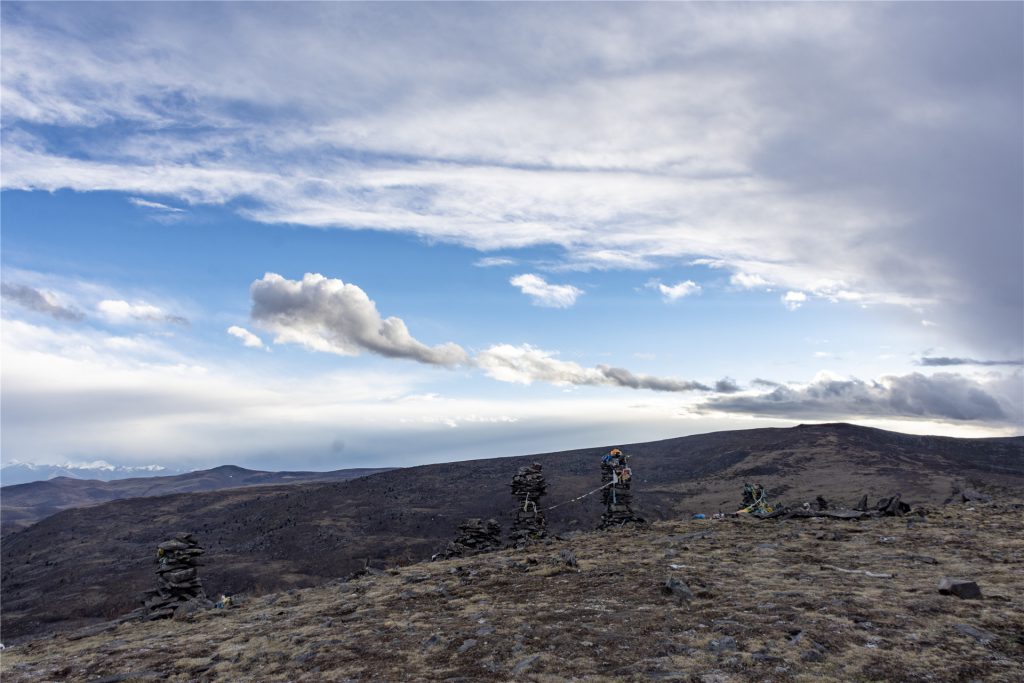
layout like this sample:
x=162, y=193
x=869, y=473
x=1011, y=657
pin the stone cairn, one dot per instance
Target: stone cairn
x=475, y=536
x=528, y=486
x=180, y=586
x=617, y=496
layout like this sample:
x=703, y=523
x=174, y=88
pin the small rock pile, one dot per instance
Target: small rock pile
x=528, y=486
x=475, y=536
x=892, y=507
x=618, y=498
x=180, y=586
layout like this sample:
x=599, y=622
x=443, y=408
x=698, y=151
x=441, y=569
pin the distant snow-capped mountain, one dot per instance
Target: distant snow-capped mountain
x=17, y=472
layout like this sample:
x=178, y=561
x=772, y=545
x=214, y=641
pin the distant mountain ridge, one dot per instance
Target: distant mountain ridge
x=26, y=472
x=24, y=504
x=93, y=562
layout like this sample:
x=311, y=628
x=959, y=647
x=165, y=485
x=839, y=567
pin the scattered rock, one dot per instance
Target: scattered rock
x=983, y=637
x=677, y=589
x=475, y=536
x=525, y=664
x=972, y=496
x=433, y=641
x=726, y=644
x=132, y=676
x=467, y=644
x=893, y=506
x=569, y=557
x=961, y=588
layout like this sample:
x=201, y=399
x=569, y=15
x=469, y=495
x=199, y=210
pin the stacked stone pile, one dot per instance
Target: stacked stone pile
x=178, y=575
x=475, y=536
x=618, y=497
x=528, y=486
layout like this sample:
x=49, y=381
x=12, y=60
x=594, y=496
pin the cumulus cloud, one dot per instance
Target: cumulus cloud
x=247, y=337
x=793, y=300
x=727, y=385
x=943, y=361
x=943, y=396
x=121, y=312
x=544, y=294
x=526, y=364
x=40, y=301
x=676, y=291
x=326, y=314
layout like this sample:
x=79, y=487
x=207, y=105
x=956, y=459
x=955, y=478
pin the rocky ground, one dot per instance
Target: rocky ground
x=750, y=601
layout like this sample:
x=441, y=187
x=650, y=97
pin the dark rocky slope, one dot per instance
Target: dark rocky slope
x=92, y=563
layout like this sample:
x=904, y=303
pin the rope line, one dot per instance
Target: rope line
x=580, y=497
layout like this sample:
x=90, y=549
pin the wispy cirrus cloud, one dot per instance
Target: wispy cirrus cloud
x=121, y=312
x=494, y=262
x=147, y=204
x=624, y=158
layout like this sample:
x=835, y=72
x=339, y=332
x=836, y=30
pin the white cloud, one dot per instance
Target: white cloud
x=82, y=396
x=943, y=396
x=544, y=294
x=146, y=204
x=526, y=364
x=122, y=312
x=494, y=261
x=247, y=337
x=678, y=290
x=41, y=301
x=749, y=281
x=793, y=300
x=326, y=314
x=666, y=135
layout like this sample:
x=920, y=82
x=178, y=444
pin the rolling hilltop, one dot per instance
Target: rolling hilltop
x=92, y=563
x=24, y=504
x=773, y=600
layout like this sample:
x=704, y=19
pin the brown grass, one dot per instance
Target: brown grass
x=760, y=584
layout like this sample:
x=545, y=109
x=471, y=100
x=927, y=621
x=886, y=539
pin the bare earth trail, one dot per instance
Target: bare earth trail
x=769, y=604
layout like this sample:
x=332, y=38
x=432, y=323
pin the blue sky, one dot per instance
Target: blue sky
x=331, y=235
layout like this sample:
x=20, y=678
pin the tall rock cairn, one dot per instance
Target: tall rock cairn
x=528, y=486
x=617, y=496
x=475, y=536
x=177, y=561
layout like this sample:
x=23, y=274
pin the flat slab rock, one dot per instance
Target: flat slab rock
x=961, y=588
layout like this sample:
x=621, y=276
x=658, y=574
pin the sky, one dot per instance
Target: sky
x=329, y=235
